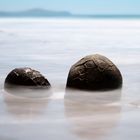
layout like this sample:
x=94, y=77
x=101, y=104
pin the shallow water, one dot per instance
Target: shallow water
x=52, y=46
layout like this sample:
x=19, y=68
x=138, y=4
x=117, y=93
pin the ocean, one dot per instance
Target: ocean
x=52, y=46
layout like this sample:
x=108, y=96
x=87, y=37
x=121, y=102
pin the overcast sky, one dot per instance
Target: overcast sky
x=75, y=6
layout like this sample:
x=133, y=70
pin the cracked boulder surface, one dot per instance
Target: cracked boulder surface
x=94, y=72
x=26, y=77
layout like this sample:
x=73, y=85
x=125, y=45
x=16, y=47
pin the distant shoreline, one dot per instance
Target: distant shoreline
x=43, y=13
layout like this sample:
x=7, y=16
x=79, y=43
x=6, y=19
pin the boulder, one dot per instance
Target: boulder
x=94, y=72
x=26, y=77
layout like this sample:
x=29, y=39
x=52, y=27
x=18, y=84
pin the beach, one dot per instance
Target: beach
x=52, y=46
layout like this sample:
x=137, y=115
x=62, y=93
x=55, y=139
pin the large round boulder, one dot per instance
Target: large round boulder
x=26, y=77
x=94, y=72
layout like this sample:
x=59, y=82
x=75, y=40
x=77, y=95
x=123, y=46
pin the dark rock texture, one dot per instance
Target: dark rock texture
x=26, y=77
x=94, y=72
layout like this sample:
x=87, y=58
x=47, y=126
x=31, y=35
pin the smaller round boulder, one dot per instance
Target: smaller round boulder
x=94, y=72
x=26, y=77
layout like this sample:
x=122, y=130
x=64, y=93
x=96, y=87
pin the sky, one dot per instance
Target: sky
x=75, y=6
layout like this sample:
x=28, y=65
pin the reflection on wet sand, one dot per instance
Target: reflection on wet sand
x=35, y=119
x=92, y=115
x=25, y=108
